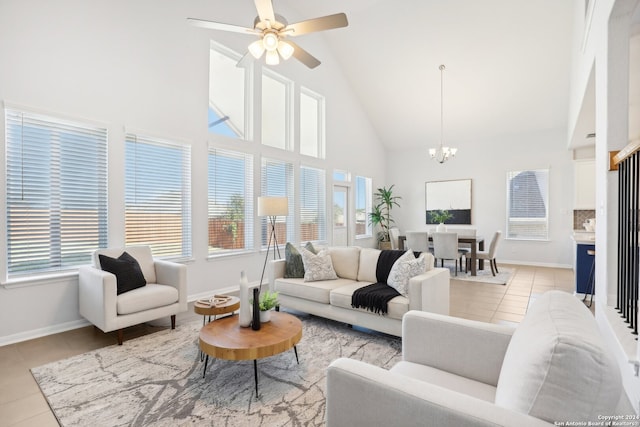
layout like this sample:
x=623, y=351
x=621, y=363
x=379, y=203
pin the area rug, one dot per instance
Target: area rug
x=482, y=276
x=156, y=380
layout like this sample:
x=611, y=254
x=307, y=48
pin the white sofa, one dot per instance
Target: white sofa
x=165, y=293
x=552, y=367
x=355, y=268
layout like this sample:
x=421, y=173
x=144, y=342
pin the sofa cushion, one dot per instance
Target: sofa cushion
x=405, y=267
x=312, y=291
x=317, y=266
x=345, y=261
x=368, y=264
x=146, y=298
x=127, y=271
x=341, y=297
x=557, y=366
x=294, y=267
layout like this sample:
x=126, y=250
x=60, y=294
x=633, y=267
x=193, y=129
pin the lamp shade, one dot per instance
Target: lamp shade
x=273, y=206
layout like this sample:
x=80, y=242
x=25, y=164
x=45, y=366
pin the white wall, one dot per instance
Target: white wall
x=140, y=65
x=486, y=160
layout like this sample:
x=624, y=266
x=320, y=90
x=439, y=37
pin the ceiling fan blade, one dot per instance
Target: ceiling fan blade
x=265, y=10
x=328, y=22
x=303, y=56
x=211, y=25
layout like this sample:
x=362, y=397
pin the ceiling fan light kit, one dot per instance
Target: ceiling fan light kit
x=273, y=29
x=441, y=154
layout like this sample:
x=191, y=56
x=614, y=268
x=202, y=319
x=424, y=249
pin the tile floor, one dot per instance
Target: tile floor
x=22, y=404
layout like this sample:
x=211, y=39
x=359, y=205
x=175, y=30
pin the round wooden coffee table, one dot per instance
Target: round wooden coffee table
x=225, y=339
x=228, y=307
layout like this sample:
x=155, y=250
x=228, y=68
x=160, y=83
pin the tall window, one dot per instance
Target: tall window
x=363, y=207
x=311, y=124
x=313, y=221
x=56, y=192
x=276, y=110
x=528, y=204
x=277, y=180
x=227, y=88
x=158, y=196
x=230, y=201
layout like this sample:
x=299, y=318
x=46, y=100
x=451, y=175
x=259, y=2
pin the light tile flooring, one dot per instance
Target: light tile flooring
x=22, y=404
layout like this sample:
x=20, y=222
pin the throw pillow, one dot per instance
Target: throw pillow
x=406, y=267
x=317, y=267
x=127, y=271
x=294, y=267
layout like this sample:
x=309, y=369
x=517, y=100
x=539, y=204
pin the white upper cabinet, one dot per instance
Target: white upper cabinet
x=585, y=184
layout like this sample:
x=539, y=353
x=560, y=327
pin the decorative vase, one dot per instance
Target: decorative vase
x=441, y=228
x=245, y=310
x=265, y=316
x=255, y=323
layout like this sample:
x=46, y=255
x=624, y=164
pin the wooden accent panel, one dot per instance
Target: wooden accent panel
x=225, y=339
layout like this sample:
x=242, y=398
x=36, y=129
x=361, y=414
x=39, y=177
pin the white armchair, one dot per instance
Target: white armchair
x=554, y=366
x=165, y=293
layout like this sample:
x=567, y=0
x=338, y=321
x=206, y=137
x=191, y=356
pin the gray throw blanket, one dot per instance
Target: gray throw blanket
x=376, y=297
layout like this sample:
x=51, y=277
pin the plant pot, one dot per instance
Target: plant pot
x=441, y=228
x=265, y=316
x=384, y=245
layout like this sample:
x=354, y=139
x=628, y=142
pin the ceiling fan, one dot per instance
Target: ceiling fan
x=273, y=29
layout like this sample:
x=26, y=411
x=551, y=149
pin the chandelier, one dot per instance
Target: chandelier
x=441, y=154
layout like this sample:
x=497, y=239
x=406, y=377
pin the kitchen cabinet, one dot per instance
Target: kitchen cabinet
x=584, y=261
x=585, y=184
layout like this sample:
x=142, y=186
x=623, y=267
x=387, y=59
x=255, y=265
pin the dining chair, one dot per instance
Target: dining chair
x=490, y=255
x=394, y=233
x=445, y=246
x=417, y=241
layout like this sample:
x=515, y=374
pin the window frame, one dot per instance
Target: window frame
x=367, y=209
x=288, y=109
x=320, y=147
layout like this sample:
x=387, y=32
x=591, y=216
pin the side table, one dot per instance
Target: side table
x=205, y=310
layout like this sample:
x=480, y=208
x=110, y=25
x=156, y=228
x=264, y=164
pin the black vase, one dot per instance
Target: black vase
x=255, y=323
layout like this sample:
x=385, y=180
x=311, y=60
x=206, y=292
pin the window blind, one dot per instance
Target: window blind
x=528, y=204
x=230, y=201
x=56, y=185
x=313, y=211
x=277, y=180
x=158, y=195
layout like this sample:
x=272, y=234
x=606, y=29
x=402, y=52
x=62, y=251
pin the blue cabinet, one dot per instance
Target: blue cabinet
x=584, y=261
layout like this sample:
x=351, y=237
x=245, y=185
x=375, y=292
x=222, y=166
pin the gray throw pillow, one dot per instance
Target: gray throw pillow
x=293, y=267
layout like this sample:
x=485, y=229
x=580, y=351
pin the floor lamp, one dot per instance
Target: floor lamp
x=272, y=207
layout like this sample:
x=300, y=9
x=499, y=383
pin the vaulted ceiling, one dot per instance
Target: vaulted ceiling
x=508, y=65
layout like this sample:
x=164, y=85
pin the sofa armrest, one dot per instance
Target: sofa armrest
x=463, y=347
x=429, y=291
x=173, y=274
x=359, y=394
x=97, y=292
x=276, y=271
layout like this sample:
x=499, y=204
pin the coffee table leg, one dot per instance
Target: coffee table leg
x=255, y=374
x=295, y=350
x=206, y=361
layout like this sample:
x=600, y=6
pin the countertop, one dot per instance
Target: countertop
x=582, y=237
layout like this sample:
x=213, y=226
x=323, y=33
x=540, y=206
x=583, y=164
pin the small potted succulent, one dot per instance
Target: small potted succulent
x=268, y=300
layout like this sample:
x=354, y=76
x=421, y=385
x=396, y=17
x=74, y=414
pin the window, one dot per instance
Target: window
x=312, y=205
x=311, y=124
x=56, y=192
x=227, y=100
x=276, y=110
x=363, y=207
x=230, y=201
x=528, y=204
x=277, y=180
x=341, y=176
x=158, y=196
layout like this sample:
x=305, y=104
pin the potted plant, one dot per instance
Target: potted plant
x=381, y=214
x=440, y=217
x=268, y=300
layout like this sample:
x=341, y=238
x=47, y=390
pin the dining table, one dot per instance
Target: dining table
x=476, y=242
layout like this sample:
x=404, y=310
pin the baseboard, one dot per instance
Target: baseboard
x=43, y=332
x=534, y=264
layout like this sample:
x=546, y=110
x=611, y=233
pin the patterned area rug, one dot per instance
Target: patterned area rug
x=483, y=276
x=156, y=380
